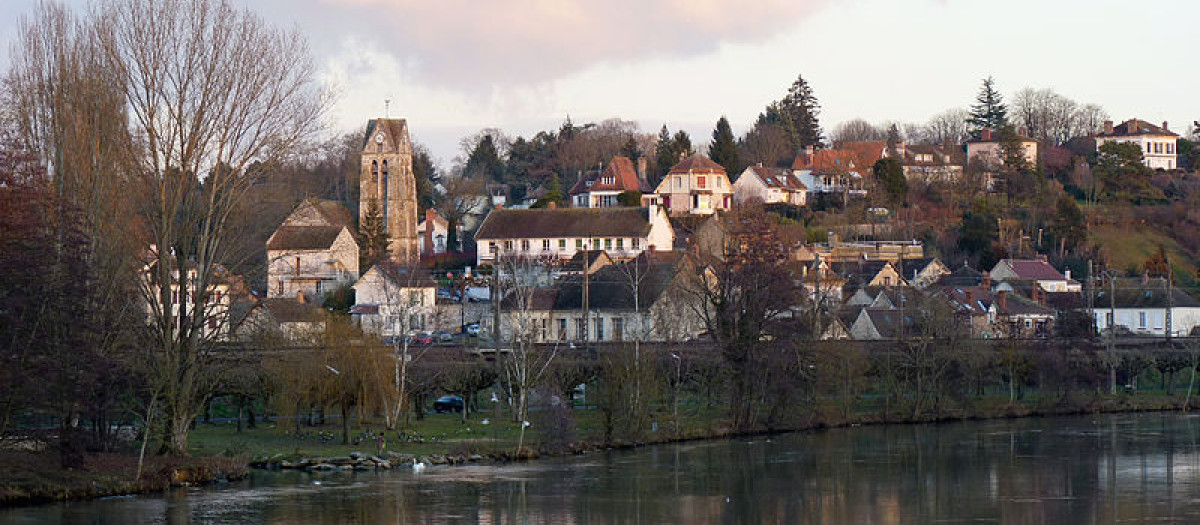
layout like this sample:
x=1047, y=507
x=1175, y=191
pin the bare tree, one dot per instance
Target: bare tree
x=857, y=130
x=948, y=127
x=209, y=89
x=522, y=324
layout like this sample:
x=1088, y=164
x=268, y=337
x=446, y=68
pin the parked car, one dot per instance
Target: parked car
x=443, y=336
x=448, y=404
x=471, y=329
x=422, y=339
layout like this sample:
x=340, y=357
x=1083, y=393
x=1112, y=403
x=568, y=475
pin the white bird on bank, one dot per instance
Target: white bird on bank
x=418, y=466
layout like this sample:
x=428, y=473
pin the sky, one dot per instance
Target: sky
x=453, y=67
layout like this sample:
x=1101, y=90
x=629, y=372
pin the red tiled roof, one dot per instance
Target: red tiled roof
x=825, y=159
x=564, y=223
x=697, y=162
x=623, y=174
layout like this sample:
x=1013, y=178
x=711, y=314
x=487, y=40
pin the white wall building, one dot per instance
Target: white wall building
x=558, y=234
x=1158, y=144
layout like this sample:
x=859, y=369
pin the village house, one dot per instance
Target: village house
x=281, y=318
x=434, y=233
x=770, y=186
x=1157, y=143
x=222, y=292
x=553, y=235
x=602, y=189
x=986, y=150
x=696, y=185
x=600, y=305
x=1038, y=271
x=312, y=252
x=929, y=164
x=1141, y=306
x=392, y=300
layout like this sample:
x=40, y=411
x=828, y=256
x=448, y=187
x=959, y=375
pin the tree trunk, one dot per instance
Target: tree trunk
x=345, y=424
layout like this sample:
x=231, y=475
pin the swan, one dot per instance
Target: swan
x=418, y=466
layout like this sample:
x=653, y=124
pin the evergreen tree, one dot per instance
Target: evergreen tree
x=893, y=141
x=372, y=236
x=890, y=175
x=797, y=114
x=988, y=111
x=723, y=150
x=682, y=145
x=424, y=173
x=664, y=157
x=484, y=161
x=631, y=149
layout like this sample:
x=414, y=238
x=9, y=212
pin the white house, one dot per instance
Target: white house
x=600, y=190
x=313, y=251
x=558, y=234
x=392, y=300
x=1038, y=271
x=770, y=185
x=1141, y=306
x=1157, y=143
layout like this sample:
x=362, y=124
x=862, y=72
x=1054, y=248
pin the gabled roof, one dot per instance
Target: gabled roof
x=611, y=288
x=1032, y=269
x=826, y=159
x=540, y=300
x=1136, y=127
x=304, y=237
x=396, y=128
x=778, y=178
x=697, y=163
x=400, y=275
x=620, y=171
x=565, y=223
x=290, y=310
x=1134, y=293
x=333, y=212
x=962, y=276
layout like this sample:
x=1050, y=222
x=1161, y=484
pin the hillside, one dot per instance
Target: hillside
x=1127, y=248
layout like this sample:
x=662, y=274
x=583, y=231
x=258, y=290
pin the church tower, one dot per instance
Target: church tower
x=387, y=180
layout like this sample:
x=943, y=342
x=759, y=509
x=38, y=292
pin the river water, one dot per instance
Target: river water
x=1124, y=468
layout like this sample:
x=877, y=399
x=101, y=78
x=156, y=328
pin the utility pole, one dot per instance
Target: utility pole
x=1112, y=332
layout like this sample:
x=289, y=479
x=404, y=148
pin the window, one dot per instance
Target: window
x=620, y=244
x=492, y=247
x=635, y=244
x=562, y=244
x=1141, y=319
x=700, y=181
x=581, y=329
x=595, y=244
x=562, y=329
x=524, y=245
x=678, y=182
x=618, y=329
x=508, y=246
x=578, y=244
x=608, y=244
x=599, y=328
x=545, y=245
x=1170, y=147
x=1108, y=319
x=416, y=298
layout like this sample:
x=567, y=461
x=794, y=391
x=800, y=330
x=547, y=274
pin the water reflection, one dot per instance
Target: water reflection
x=1094, y=469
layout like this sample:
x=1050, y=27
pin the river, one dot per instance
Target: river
x=1122, y=468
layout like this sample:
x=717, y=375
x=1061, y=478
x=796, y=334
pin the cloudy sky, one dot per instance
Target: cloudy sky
x=452, y=67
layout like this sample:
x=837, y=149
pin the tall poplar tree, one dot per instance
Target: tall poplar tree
x=723, y=150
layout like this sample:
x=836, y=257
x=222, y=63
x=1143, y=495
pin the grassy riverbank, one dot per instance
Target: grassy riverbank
x=220, y=451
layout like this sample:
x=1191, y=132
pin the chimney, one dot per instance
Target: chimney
x=430, y=219
x=1067, y=274
x=1165, y=127
x=987, y=280
x=641, y=168
x=986, y=134
x=1132, y=125
x=1002, y=300
x=1108, y=127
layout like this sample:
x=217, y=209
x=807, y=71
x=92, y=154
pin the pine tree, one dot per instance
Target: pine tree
x=723, y=150
x=894, y=141
x=485, y=161
x=664, y=157
x=631, y=149
x=796, y=114
x=682, y=145
x=988, y=111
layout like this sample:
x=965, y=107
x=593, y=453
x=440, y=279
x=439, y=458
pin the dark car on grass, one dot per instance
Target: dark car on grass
x=448, y=404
